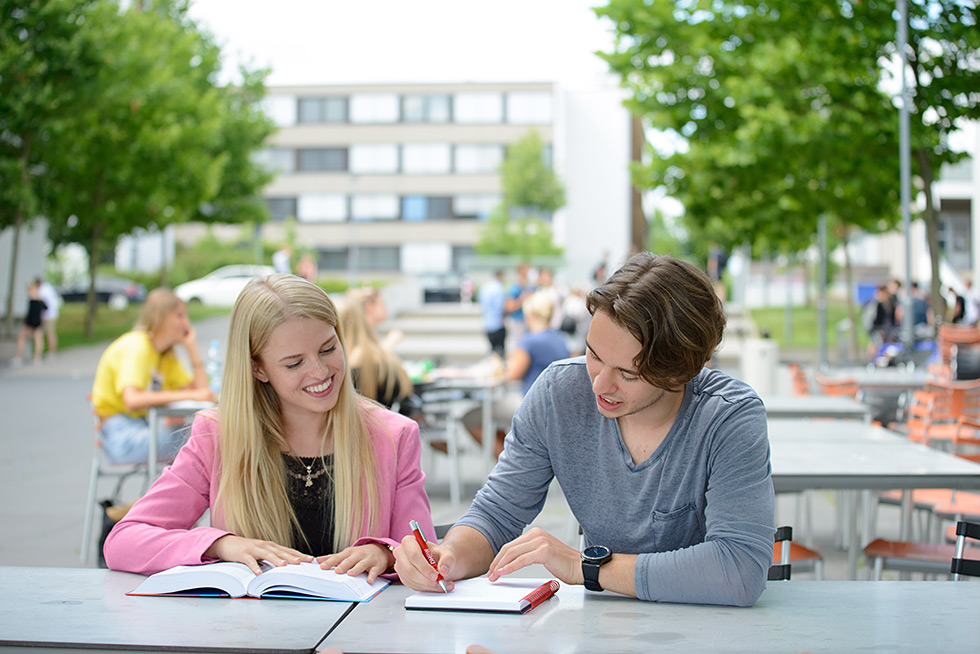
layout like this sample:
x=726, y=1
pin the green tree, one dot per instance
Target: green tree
x=944, y=79
x=153, y=139
x=40, y=56
x=779, y=106
x=531, y=189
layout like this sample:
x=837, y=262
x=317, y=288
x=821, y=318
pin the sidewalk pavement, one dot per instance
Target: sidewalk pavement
x=48, y=445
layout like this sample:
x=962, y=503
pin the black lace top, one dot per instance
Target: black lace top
x=311, y=492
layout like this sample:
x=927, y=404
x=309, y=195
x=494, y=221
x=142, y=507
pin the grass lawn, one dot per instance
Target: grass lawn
x=110, y=323
x=805, y=325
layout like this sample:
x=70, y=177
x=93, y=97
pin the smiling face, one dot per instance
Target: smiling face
x=305, y=364
x=619, y=390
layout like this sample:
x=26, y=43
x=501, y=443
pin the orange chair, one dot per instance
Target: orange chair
x=929, y=558
x=783, y=560
x=846, y=387
x=801, y=384
x=967, y=435
x=933, y=417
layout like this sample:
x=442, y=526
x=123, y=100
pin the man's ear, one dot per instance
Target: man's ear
x=258, y=373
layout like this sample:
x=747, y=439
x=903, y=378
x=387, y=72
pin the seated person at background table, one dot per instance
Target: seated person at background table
x=377, y=373
x=292, y=464
x=376, y=312
x=537, y=348
x=665, y=464
x=140, y=370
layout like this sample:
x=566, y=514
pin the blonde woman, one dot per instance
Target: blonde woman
x=139, y=370
x=293, y=465
x=377, y=372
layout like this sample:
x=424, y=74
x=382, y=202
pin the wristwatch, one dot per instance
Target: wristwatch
x=592, y=558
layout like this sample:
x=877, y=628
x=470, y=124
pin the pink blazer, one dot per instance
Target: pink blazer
x=159, y=532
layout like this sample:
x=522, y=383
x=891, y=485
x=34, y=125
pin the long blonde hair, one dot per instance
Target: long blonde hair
x=252, y=495
x=376, y=366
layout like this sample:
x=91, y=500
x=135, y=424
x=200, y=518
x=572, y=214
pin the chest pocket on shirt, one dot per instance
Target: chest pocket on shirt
x=678, y=528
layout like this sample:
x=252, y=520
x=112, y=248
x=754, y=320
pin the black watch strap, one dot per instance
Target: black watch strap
x=590, y=571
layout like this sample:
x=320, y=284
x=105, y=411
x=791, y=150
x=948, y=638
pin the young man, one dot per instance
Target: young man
x=664, y=464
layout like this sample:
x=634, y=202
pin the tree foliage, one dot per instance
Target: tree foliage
x=531, y=189
x=139, y=133
x=784, y=112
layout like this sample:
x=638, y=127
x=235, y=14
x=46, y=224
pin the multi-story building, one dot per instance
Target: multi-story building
x=397, y=179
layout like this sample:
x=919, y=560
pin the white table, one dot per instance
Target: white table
x=856, y=456
x=791, y=616
x=487, y=387
x=816, y=406
x=84, y=609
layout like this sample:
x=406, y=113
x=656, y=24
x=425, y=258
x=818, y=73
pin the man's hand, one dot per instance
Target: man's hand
x=414, y=570
x=538, y=546
x=372, y=558
x=250, y=551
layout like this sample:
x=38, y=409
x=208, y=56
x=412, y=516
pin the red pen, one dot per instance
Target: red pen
x=420, y=539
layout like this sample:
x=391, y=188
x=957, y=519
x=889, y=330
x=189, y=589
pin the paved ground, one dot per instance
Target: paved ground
x=47, y=441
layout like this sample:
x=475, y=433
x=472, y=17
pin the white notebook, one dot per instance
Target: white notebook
x=515, y=595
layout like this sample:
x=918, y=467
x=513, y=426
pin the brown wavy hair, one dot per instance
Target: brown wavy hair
x=671, y=308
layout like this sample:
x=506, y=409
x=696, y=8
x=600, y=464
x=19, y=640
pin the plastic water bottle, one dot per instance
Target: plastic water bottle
x=214, y=366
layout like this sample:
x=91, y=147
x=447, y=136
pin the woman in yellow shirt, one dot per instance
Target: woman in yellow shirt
x=139, y=370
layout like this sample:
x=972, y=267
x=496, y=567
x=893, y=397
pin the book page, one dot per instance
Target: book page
x=231, y=578
x=310, y=579
x=478, y=594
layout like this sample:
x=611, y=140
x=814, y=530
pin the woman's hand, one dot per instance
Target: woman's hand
x=372, y=558
x=250, y=551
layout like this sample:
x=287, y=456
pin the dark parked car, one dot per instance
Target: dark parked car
x=441, y=288
x=117, y=292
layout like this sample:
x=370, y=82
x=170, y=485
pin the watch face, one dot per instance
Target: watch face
x=596, y=552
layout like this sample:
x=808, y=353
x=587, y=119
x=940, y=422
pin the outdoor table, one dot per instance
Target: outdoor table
x=815, y=406
x=81, y=609
x=791, y=616
x=154, y=415
x=856, y=456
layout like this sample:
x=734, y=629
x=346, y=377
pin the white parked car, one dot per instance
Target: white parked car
x=221, y=287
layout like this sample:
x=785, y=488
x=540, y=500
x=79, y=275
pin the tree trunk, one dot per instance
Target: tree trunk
x=931, y=218
x=94, y=252
x=639, y=228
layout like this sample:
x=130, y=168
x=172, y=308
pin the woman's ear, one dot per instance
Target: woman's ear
x=258, y=373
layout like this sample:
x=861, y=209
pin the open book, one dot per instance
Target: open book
x=515, y=595
x=303, y=580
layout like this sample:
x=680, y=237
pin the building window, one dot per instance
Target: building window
x=416, y=208
x=277, y=160
x=322, y=208
x=375, y=206
x=281, y=109
x=376, y=158
x=281, y=208
x=322, y=110
x=322, y=159
x=374, y=108
x=478, y=108
x=426, y=108
x=426, y=158
x=331, y=259
x=475, y=206
x=463, y=255
x=529, y=107
x=379, y=258
x=477, y=159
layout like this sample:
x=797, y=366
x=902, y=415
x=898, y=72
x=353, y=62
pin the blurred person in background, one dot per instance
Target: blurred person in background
x=141, y=369
x=49, y=317
x=535, y=351
x=492, y=308
x=377, y=372
x=376, y=312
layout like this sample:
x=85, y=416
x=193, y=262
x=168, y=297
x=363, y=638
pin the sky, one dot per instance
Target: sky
x=380, y=41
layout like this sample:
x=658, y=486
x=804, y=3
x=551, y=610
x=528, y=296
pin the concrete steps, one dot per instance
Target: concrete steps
x=447, y=333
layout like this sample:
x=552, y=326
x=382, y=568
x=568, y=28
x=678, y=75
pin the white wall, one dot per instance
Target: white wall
x=592, y=154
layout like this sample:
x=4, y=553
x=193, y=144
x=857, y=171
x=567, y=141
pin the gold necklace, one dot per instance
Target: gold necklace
x=309, y=470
